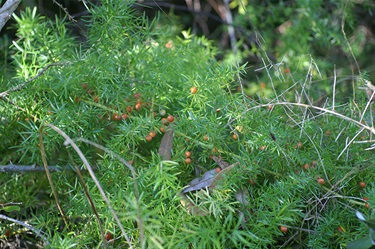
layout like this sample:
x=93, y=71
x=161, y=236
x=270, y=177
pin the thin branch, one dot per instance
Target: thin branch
x=134, y=175
x=7, y=10
x=69, y=141
x=20, y=86
x=30, y=168
x=334, y=88
x=88, y=196
x=71, y=18
x=36, y=231
x=334, y=113
x=346, y=39
x=49, y=177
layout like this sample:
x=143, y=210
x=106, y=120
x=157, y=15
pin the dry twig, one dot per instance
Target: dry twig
x=7, y=10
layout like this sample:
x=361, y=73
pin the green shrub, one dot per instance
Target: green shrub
x=122, y=85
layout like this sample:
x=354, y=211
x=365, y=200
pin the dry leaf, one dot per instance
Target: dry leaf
x=201, y=182
x=166, y=145
x=243, y=196
x=223, y=164
x=220, y=175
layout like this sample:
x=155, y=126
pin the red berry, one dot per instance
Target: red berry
x=187, y=154
x=283, y=229
x=270, y=107
x=90, y=91
x=306, y=166
x=362, y=184
x=116, y=116
x=148, y=138
x=137, y=106
x=162, y=129
x=193, y=90
x=262, y=147
x=124, y=116
x=152, y=134
x=287, y=70
x=299, y=145
x=164, y=121
x=169, y=45
x=129, y=109
x=206, y=138
x=320, y=181
x=188, y=160
x=136, y=95
x=367, y=205
x=366, y=198
x=108, y=236
x=170, y=118
x=235, y=137
x=217, y=170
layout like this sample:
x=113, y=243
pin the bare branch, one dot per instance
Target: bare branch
x=69, y=141
x=31, y=168
x=7, y=10
x=20, y=86
x=36, y=231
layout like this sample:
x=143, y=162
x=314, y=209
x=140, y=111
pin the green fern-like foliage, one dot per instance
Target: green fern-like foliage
x=121, y=87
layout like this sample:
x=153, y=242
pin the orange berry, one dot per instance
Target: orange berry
x=367, y=205
x=287, y=70
x=217, y=170
x=306, y=166
x=206, y=138
x=152, y=134
x=187, y=154
x=136, y=95
x=162, y=129
x=108, y=236
x=116, y=116
x=164, y=121
x=148, y=138
x=124, y=116
x=262, y=147
x=320, y=181
x=235, y=137
x=362, y=184
x=129, y=109
x=170, y=118
x=283, y=229
x=169, y=45
x=270, y=107
x=193, y=90
x=188, y=160
x=137, y=106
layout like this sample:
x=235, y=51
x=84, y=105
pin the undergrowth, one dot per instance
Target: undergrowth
x=297, y=170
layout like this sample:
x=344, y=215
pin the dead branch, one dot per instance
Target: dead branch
x=20, y=86
x=7, y=10
x=13, y=168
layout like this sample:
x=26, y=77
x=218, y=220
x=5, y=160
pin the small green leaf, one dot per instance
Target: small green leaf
x=11, y=208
